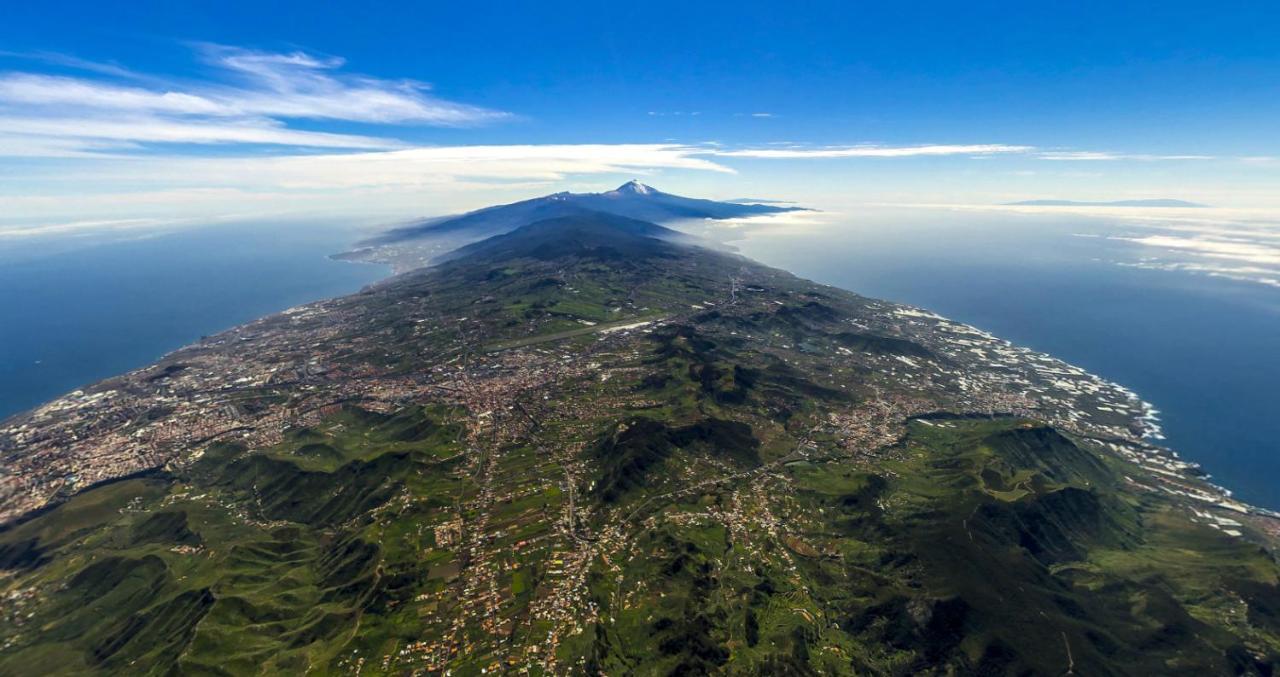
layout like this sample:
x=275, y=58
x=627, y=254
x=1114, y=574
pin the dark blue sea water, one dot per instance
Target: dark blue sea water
x=1203, y=350
x=74, y=317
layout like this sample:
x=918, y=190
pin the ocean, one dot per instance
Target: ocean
x=1200, y=348
x=80, y=314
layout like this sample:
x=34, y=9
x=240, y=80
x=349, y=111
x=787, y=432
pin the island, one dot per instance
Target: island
x=582, y=443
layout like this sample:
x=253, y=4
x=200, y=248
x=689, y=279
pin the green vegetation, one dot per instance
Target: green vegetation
x=986, y=548
x=245, y=563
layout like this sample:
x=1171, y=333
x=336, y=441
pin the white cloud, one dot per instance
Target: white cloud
x=1079, y=155
x=30, y=134
x=69, y=61
x=410, y=167
x=1263, y=276
x=975, y=150
x=1241, y=244
x=60, y=92
x=98, y=225
x=875, y=151
x=434, y=165
x=298, y=85
x=1107, y=156
x=1259, y=253
x=409, y=181
x=27, y=145
x=1243, y=252
x=250, y=104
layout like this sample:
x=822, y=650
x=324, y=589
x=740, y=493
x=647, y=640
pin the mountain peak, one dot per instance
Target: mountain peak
x=632, y=199
x=635, y=187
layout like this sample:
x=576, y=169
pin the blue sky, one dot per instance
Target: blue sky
x=137, y=113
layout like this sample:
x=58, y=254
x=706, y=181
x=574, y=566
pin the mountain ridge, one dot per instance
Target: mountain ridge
x=417, y=244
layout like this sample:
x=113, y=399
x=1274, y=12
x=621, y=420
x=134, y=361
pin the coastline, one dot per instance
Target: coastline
x=95, y=312
x=1149, y=437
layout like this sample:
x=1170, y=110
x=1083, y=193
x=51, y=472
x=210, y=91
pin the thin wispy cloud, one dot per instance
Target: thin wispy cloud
x=103, y=133
x=1105, y=156
x=58, y=93
x=299, y=85
x=875, y=151
x=939, y=150
x=438, y=165
x=252, y=101
x=70, y=61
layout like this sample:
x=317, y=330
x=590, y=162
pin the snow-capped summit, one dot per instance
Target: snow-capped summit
x=632, y=199
x=635, y=188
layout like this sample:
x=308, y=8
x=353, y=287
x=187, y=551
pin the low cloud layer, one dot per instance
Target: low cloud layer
x=1232, y=243
x=90, y=194
x=1248, y=252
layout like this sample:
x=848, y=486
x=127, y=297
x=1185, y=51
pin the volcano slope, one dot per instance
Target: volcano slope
x=581, y=448
x=420, y=243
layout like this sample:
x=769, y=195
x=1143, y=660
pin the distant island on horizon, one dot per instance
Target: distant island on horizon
x=1161, y=202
